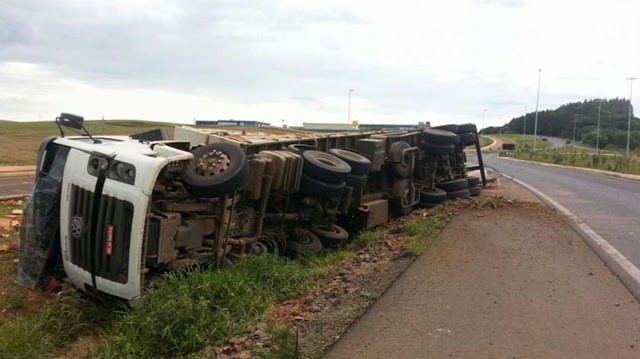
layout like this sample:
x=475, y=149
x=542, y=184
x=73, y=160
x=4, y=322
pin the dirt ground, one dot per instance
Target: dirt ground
x=514, y=281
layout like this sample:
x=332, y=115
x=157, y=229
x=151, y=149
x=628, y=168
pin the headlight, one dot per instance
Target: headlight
x=115, y=170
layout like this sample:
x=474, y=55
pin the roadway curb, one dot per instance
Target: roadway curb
x=17, y=171
x=583, y=169
x=628, y=274
x=15, y=196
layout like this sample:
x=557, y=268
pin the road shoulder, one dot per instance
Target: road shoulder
x=511, y=281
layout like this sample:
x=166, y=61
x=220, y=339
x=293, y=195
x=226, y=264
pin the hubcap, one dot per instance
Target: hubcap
x=212, y=163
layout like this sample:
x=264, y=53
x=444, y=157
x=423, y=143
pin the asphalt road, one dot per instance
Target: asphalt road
x=610, y=206
x=10, y=186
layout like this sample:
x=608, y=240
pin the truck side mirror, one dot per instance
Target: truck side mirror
x=71, y=121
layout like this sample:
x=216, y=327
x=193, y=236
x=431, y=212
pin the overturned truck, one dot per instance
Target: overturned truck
x=111, y=212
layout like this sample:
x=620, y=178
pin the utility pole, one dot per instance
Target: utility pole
x=575, y=121
x=535, y=126
x=630, y=96
x=598, y=130
x=482, y=129
x=349, y=107
x=524, y=128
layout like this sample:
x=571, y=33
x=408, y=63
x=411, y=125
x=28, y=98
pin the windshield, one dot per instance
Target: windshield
x=41, y=220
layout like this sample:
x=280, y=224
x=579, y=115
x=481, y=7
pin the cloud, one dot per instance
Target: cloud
x=410, y=61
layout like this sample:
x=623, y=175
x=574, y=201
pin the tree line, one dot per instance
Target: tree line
x=614, y=115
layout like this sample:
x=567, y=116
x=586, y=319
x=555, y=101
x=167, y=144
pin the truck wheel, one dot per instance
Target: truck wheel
x=435, y=196
x=455, y=185
x=325, y=167
x=451, y=128
x=439, y=137
x=359, y=164
x=402, y=162
x=300, y=147
x=475, y=191
x=461, y=194
x=438, y=150
x=467, y=139
x=466, y=128
x=331, y=236
x=356, y=181
x=313, y=187
x=473, y=181
x=303, y=242
x=215, y=170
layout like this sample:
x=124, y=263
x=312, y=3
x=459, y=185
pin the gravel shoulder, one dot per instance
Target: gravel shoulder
x=511, y=281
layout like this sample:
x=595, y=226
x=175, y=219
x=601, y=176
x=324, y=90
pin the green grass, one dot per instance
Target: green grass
x=191, y=310
x=364, y=238
x=524, y=142
x=485, y=141
x=424, y=230
x=58, y=323
x=19, y=141
x=581, y=158
x=12, y=300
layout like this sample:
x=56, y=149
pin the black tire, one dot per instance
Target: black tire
x=300, y=147
x=204, y=178
x=473, y=181
x=402, y=164
x=332, y=237
x=360, y=165
x=461, y=194
x=325, y=167
x=356, y=181
x=466, y=128
x=455, y=185
x=303, y=242
x=438, y=137
x=435, y=196
x=313, y=187
x=475, y=191
x=438, y=150
x=467, y=139
x=451, y=128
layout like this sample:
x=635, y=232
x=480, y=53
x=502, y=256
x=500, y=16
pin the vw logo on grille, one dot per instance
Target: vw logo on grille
x=76, y=227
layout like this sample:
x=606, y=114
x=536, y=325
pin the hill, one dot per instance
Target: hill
x=614, y=117
x=19, y=141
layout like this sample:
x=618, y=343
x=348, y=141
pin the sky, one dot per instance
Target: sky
x=295, y=61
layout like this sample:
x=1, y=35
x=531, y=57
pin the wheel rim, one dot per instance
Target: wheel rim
x=213, y=163
x=328, y=161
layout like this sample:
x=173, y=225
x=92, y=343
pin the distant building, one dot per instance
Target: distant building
x=232, y=122
x=327, y=126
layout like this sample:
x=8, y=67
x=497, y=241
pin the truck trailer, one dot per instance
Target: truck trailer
x=110, y=213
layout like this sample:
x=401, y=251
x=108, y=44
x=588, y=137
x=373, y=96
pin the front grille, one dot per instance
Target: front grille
x=89, y=247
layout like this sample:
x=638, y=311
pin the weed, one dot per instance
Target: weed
x=12, y=300
x=319, y=265
x=190, y=310
x=366, y=237
x=423, y=231
x=57, y=324
x=283, y=340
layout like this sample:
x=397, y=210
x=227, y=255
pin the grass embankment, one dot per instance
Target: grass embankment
x=190, y=311
x=581, y=158
x=19, y=141
x=485, y=141
x=524, y=142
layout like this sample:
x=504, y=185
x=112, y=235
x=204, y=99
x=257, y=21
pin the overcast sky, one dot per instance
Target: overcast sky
x=407, y=61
